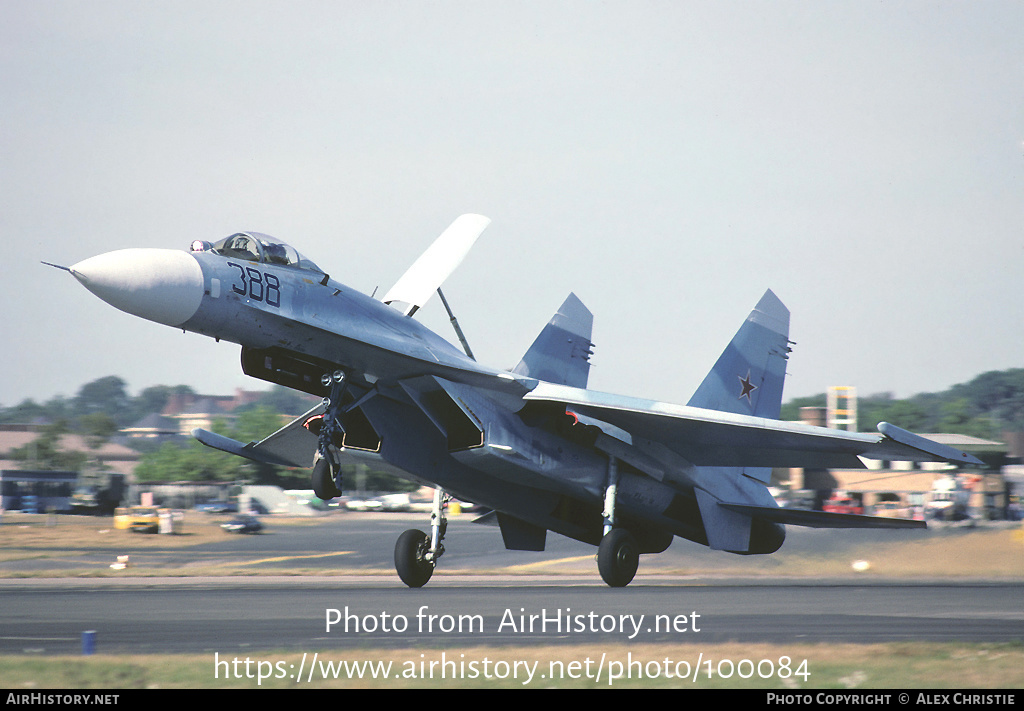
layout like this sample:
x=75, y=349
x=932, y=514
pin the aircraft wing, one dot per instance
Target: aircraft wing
x=713, y=438
x=427, y=273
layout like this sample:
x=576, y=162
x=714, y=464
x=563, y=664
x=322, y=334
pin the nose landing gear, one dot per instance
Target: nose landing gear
x=326, y=476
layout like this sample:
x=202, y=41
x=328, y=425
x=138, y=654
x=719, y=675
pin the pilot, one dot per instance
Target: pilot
x=274, y=253
x=243, y=247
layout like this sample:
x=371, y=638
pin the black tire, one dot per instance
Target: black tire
x=618, y=558
x=323, y=480
x=409, y=550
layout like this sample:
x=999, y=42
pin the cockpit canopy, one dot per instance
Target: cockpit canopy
x=257, y=247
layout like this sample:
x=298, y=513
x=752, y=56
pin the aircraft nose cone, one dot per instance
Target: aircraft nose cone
x=162, y=285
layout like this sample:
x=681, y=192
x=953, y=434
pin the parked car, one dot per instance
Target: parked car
x=217, y=507
x=243, y=524
x=843, y=503
x=144, y=519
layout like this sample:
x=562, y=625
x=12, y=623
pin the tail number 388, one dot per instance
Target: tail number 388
x=257, y=285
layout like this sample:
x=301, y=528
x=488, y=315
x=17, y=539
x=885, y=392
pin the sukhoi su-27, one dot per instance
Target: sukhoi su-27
x=532, y=445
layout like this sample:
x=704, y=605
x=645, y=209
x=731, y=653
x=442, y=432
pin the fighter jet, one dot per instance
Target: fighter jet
x=532, y=445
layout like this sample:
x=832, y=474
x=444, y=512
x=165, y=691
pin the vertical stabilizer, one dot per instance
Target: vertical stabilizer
x=561, y=353
x=748, y=377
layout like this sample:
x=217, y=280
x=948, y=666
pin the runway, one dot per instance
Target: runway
x=483, y=595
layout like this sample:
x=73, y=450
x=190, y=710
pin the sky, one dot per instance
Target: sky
x=666, y=161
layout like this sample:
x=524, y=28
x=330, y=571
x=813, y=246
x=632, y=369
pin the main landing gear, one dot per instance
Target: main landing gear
x=416, y=553
x=618, y=556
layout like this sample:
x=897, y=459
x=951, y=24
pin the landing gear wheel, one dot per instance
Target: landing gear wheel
x=618, y=557
x=323, y=480
x=412, y=567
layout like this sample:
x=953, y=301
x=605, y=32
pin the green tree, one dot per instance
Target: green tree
x=107, y=395
x=29, y=411
x=903, y=413
x=45, y=452
x=253, y=425
x=154, y=399
x=256, y=423
x=998, y=394
x=23, y=413
x=956, y=418
x=193, y=462
x=98, y=427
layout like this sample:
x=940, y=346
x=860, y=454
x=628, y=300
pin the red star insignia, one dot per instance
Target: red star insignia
x=746, y=387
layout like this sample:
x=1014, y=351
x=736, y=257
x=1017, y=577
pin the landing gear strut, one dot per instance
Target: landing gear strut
x=326, y=478
x=618, y=556
x=416, y=553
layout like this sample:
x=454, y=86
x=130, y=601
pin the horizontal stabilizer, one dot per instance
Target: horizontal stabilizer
x=428, y=273
x=820, y=519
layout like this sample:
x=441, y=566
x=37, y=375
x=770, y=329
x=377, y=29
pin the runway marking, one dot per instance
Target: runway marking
x=529, y=566
x=292, y=557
